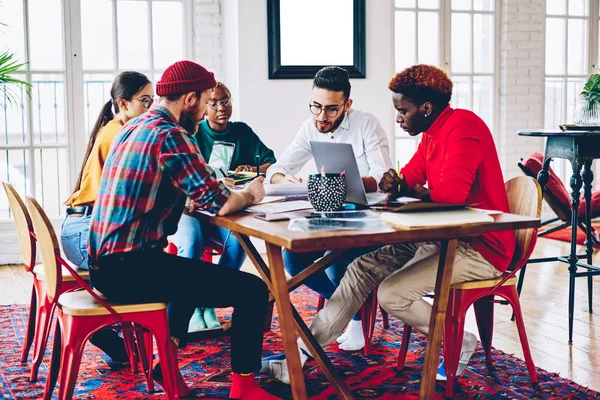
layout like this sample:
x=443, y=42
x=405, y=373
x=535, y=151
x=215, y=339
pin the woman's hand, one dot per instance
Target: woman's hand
x=243, y=168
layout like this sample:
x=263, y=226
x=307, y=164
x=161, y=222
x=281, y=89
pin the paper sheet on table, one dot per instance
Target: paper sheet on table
x=272, y=199
x=327, y=224
x=436, y=218
x=286, y=206
x=286, y=189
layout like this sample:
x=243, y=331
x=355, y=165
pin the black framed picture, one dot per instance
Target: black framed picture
x=305, y=36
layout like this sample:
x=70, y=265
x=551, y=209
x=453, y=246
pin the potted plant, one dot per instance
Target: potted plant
x=587, y=106
x=9, y=65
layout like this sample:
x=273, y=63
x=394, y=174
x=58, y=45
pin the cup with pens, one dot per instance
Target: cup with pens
x=327, y=192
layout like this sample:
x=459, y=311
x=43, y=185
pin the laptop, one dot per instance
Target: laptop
x=338, y=157
x=220, y=158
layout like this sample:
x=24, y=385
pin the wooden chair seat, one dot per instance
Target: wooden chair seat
x=487, y=283
x=38, y=270
x=82, y=304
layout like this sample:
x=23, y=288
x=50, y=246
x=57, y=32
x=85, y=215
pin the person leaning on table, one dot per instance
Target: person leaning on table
x=151, y=169
x=458, y=161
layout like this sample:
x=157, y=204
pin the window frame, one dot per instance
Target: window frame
x=76, y=133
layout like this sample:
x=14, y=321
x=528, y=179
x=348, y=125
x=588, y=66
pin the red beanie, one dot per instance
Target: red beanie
x=184, y=77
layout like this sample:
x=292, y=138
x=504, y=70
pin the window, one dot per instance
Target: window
x=570, y=55
x=71, y=64
x=458, y=36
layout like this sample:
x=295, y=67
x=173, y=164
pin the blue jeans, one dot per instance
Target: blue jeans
x=73, y=239
x=190, y=237
x=323, y=282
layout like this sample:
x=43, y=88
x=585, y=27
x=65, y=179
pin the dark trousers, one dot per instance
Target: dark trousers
x=155, y=276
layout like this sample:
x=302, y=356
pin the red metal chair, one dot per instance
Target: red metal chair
x=82, y=313
x=40, y=309
x=368, y=316
x=525, y=198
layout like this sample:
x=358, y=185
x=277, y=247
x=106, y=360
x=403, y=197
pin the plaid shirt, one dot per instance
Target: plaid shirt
x=151, y=168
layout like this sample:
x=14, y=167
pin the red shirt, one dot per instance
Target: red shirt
x=457, y=159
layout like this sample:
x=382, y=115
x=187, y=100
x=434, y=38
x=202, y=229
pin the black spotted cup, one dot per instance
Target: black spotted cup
x=327, y=193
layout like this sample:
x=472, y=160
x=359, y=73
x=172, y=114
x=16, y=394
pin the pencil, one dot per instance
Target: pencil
x=257, y=165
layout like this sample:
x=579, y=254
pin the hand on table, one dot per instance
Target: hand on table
x=392, y=183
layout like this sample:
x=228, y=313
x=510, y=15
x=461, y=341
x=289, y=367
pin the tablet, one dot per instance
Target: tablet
x=220, y=158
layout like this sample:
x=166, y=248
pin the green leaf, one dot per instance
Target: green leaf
x=9, y=84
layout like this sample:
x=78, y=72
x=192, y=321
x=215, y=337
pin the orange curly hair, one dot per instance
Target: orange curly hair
x=423, y=83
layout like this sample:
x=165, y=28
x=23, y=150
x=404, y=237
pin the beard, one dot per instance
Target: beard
x=188, y=122
x=333, y=126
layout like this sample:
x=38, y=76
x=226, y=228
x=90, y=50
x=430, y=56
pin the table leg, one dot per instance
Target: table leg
x=438, y=318
x=588, y=177
x=286, y=323
x=576, y=184
x=544, y=174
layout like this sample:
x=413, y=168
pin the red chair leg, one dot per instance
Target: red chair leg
x=368, y=315
x=75, y=331
x=403, y=347
x=30, y=332
x=42, y=330
x=321, y=303
x=167, y=352
x=54, y=363
x=454, y=331
x=128, y=338
x=511, y=295
x=484, y=313
x=145, y=355
x=385, y=318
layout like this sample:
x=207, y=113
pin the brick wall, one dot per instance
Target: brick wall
x=521, y=80
x=206, y=26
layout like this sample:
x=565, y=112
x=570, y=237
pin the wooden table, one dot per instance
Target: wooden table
x=276, y=235
x=580, y=148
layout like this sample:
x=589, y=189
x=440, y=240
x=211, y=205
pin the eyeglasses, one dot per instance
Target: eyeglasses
x=330, y=111
x=146, y=101
x=214, y=104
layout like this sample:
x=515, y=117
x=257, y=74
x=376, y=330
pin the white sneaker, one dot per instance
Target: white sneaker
x=355, y=339
x=277, y=369
x=343, y=337
x=468, y=347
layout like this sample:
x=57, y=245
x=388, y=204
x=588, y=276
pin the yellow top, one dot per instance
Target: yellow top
x=90, y=180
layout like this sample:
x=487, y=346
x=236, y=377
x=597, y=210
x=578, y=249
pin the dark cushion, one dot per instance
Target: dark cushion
x=555, y=186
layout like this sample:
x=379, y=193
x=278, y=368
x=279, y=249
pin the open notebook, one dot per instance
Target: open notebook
x=436, y=218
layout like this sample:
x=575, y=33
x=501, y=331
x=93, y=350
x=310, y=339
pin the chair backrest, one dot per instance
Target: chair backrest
x=555, y=193
x=49, y=248
x=20, y=215
x=524, y=198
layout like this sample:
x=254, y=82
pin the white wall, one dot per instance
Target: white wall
x=276, y=108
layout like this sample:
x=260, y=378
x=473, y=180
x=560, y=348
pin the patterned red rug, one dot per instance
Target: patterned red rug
x=205, y=366
x=564, y=235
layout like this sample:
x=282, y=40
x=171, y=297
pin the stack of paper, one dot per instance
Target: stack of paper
x=286, y=189
x=280, y=207
x=436, y=218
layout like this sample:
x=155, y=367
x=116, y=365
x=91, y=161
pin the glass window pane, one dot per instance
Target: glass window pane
x=48, y=103
x=406, y=3
x=406, y=146
x=484, y=5
x=46, y=34
x=461, y=43
x=461, y=4
x=96, y=92
x=167, y=48
x=97, y=34
x=134, y=31
x=326, y=43
x=13, y=32
x=462, y=95
x=406, y=39
x=429, y=4
x=13, y=114
x=429, y=39
x=555, y=46
x=577, y=57
x=14, y=169
x=555, y=7
x=51, y=179
x=578, y=7
x=483, y=46
x=553, y=103
x=483, y=99
x=574, y=88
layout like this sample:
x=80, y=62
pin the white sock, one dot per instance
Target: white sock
x=355, y=339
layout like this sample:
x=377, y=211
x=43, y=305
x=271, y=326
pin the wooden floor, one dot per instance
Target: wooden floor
x=544, y=301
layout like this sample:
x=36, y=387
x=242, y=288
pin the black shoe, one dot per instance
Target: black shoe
x=111, y=343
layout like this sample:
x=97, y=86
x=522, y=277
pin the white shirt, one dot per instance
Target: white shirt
x=361, y=129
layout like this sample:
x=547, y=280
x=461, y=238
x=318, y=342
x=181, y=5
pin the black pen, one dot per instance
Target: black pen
x=257, y=165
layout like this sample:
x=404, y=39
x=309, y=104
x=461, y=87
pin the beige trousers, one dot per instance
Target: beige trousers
x=404, y=273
